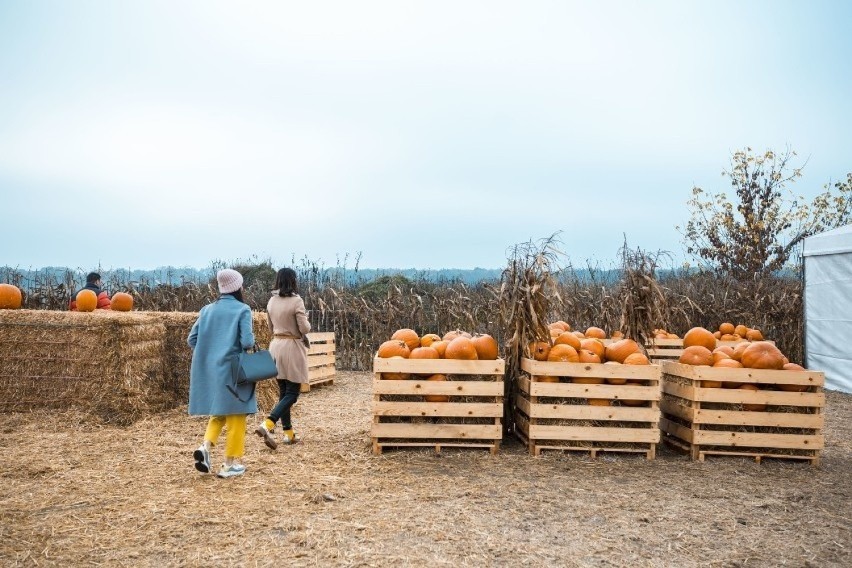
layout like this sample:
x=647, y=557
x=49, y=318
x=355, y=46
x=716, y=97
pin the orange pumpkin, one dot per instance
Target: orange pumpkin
x=122, y=302
x=593, y=345
x=711, y=384
x=619, y=350
x=440, y=347
x=562, y=353
x=103, y=301
x=737, y=353
x=754, y=335
x=717, y=335
x=762, y=355
x=600, y=402
x=617, y=334
x=424, y=353
x=672, y=336
x=561, y=325
x=636, y=359
x=436, y=397
x=730, y=337
x=696, y=355
x=793, y=388
x=752, y=407
x=486, y=347
x=596, y=333
x=719, y=355
x=586, y=356
x=728, y=363
x=741, y=330
x=546, y=379
x=726, y=349
x=568, y=338
x=396, y=376
x=699, y=336
x=727, y=328
x=450, y=335
x=540, y=350
x=579, y=334
x=428, y=339
x=461, y=348
x=409, y=336
x=87, y=301
x=393, y=348
x=10, y=297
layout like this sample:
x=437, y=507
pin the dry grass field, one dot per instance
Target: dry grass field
x=78, y=492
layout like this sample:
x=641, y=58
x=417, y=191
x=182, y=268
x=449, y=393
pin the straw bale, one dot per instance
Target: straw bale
x=107, y=363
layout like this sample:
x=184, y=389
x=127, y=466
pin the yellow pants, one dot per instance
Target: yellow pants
x=235, y=434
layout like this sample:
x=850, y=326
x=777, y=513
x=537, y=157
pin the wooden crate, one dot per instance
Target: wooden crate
x=321, y=358
x=660, y=350
x=583, y=427
x=711, y=421
x=413, y=422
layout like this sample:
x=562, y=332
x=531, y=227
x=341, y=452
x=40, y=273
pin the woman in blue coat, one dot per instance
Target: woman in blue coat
x=222, y=331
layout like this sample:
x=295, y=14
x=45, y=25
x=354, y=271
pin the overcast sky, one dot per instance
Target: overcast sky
x=421, y=134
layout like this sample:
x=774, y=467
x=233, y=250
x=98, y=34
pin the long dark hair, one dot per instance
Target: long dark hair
x=285, y=282
x=238, y=295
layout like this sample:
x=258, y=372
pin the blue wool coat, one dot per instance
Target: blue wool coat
x=223, y=329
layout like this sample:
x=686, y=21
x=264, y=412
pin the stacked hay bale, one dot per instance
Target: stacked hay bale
x=106, y=363
x=177, y=356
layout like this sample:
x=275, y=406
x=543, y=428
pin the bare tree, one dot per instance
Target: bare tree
x=760, y=230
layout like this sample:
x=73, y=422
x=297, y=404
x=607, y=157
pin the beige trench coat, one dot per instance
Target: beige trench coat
x=288, y=315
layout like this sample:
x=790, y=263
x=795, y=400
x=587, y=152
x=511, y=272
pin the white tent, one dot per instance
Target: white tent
x=828, y=306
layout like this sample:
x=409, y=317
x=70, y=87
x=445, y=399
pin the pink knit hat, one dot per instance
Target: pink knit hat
x=229, y=280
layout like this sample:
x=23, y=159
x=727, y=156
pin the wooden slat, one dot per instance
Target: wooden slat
x=772, y=419
x=758, y=455
x=678, y=390
x=599, y=370
x=443, y=366
x=522, y=404
x=462, y=409
x=582, y=412
x=456, y=388
x=320, y=372
x=321, y=336
x=523, y=424
x=318, y=360
x=615, y=392
x=440, y=431
x=773, y=398
x=763, y=376
x=321, y=348
x=676, y=430
x=594, y=434
x=524, y=384
x=758, y=440
x=675, y=409
x=437, y=445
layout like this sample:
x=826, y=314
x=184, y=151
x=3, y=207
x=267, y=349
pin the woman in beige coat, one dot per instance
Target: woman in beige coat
x=288, y=322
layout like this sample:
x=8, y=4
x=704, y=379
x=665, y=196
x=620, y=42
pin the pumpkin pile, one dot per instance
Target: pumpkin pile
x=588, y=347
x=10, y=297
x=745, y=355
x=88, y=301
x=661, y=333
x=730, y=332
x=457, y=344
x=559, y=327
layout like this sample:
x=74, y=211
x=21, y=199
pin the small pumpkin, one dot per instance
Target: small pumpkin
x=727, y=328
x=461, y=348
x=428, y=339
x=793, y=388
x=586, y=356
x=600, y=402
x=424, y=353
x=696, y=355
x=10, y=297
x=87, y=301
x=450, y=335
x=596, y=333
x=486, y=347
x=636, y=359
x=711, y=384
x=754, y=335
x=595, y=346
x=546, y=379
x=440, y=347
x=737, y=353
x=728, y=363
x=699, y=336
x=762, y=355
x=563, y=354
x=122, y=302
x=409, y=336
x=540, y=350
x=393, y=348
x=617, y=334
x=567, y=338
x=619, y=350
x=436, y=397
x=741, y=330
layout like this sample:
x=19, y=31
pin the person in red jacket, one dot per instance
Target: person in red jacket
x=93, y=283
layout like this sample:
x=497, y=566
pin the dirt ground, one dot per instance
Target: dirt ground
x=78, y=492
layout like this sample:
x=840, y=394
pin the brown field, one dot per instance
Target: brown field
x=78, y=492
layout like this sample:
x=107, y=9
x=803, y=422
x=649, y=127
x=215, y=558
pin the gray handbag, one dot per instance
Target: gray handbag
x=251, y=368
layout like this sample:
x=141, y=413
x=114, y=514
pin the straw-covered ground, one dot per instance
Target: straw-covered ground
x=75, y=491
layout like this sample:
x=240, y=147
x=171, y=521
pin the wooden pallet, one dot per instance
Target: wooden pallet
x=660, y=350
x=417, y=423
x=710, y=421
x=321, y=360
x=538, y=401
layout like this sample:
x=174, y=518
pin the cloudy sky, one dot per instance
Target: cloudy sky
x=421, y=134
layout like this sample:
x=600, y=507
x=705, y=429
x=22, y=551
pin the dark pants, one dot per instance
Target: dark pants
x=288, y=395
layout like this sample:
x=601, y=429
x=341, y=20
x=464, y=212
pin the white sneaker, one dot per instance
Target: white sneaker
x=202, y=459
x=232, y=470
x=267, y=437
